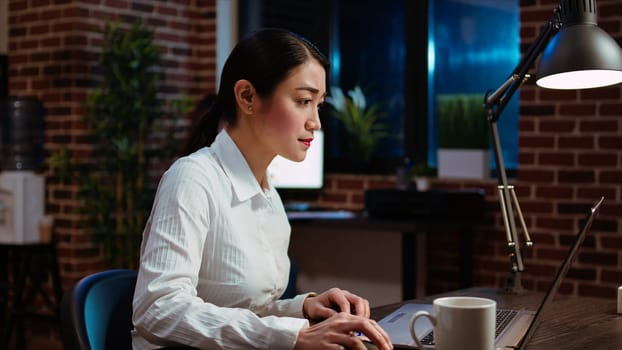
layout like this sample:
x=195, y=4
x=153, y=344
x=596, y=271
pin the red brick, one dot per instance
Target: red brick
x=595, y=192
x=585, y=274
x=162, y=9
x=334, y=197
x=558, y=158
x=526, y=158
x=381, y=184
x=536, y=110
x=598, y=160
x=536, y=175
x=578, y=176
x=350, y=184
x=541, y=206
x=527, y=125
x=51, y=14
x=598, y=258
x=602, y=94
x=598, y=126
x=576, y=142
x=554, y=192
x=116, y=4
x=610, y=142
x=540, y=15
x=610, y=207
x=39, y=3
x=611, y=242
x=577, y=109
x=536, y=141
x=611, y=276
x=39, y=29
x=558, y=95
x=557, y=126
x=555, y=223
x=610, y=176
x=614, y=109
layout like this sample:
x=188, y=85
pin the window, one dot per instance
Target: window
x=368, y=50
x=445, y=46
x=472, y=48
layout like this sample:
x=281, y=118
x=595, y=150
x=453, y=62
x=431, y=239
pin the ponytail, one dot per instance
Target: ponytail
x=205, y=125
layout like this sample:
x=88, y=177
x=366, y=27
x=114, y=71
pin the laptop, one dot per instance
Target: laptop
x=514, y=327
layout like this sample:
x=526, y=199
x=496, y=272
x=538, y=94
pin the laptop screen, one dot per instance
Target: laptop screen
x=561, y=272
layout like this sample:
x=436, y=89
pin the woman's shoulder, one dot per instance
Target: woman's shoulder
x=199, y=164
x=201, y=158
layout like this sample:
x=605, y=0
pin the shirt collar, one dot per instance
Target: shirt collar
x=234, y=164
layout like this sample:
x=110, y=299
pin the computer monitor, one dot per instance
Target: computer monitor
x=306, y=175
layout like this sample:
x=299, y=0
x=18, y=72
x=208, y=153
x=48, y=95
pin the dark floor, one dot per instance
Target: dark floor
x=41, y=343
x=39, y=335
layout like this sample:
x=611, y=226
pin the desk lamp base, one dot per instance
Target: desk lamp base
x=513, y=284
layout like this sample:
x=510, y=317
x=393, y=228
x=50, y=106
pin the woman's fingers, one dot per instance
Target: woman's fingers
x=355, y=326
x=350, y=303
x=343, y=329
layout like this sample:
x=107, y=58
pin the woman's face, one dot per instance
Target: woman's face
x=286, y=121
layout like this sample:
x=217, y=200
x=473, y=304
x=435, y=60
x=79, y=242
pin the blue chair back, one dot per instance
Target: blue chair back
x=96, y=314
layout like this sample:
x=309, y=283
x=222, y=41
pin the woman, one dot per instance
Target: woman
x=214, y=253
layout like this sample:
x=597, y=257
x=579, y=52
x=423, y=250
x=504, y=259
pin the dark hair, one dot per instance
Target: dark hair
x=264, y=59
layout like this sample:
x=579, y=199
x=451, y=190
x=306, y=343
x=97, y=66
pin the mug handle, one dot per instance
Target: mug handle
x=413, y=333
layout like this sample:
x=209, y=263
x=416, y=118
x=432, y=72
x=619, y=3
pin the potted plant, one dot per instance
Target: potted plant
x=463, y=140
x=360, y=121
x=122, y=114
x=421, y=172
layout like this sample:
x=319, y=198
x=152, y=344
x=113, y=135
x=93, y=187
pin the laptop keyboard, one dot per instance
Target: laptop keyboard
x=503, y=319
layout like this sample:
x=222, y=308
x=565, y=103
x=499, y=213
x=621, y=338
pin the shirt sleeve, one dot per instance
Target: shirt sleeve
x=287, y=307
x=167, y=310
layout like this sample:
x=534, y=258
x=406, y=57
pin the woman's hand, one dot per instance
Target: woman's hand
x=333, y=301
x=339, y=332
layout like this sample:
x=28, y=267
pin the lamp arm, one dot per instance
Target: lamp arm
x=494, y=104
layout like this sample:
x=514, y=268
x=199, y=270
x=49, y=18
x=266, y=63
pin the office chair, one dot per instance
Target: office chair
x=291, y=290
x=96, y=314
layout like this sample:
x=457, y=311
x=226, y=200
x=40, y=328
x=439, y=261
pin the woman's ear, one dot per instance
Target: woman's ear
x=245, y=96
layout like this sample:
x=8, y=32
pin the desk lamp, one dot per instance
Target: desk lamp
x=579, y=55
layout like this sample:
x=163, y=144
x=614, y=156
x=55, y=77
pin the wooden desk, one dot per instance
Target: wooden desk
x=567, y=323
x=413, y=237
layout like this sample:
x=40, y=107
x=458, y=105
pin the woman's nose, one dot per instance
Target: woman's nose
x=314, y=123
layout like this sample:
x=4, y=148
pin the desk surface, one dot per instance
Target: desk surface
x=567, y=323
x=360, y=220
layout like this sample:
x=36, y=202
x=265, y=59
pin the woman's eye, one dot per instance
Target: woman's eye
x=305, y=102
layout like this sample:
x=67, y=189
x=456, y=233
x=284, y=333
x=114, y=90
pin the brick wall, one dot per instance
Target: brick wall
x=570, y=143
x=53, y=51
x=570, y=155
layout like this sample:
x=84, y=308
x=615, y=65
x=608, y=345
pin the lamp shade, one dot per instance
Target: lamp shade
x=581, y=55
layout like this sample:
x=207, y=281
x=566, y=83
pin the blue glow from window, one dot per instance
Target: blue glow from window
x=335, y=64
x=431, y=57
x=472, y=49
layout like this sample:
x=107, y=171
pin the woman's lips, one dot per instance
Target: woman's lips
x=306, y=142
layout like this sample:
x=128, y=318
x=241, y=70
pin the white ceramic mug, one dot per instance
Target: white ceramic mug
x=465, y=323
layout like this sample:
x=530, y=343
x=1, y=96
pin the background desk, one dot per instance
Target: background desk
x=32, y=264
x=568, y=323
x=413, y=239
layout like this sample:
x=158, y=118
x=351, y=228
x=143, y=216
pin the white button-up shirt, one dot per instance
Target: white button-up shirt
x=214, y=259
